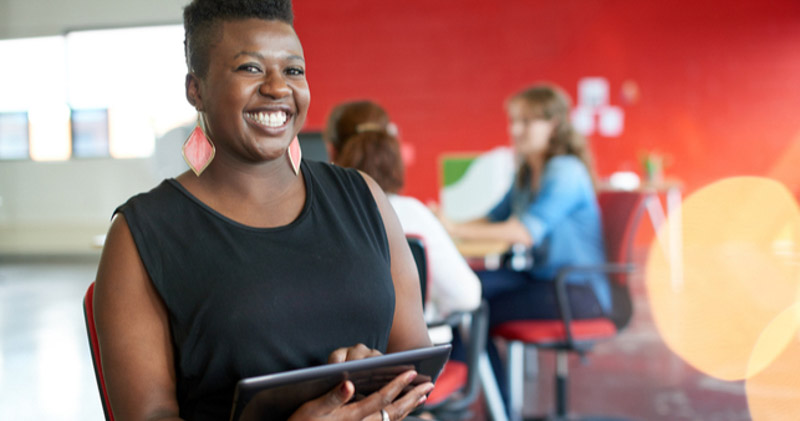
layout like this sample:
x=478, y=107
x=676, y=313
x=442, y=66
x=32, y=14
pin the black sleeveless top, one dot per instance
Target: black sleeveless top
x=246, y=301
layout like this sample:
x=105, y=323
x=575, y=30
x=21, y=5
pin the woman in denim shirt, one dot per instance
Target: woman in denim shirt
x=551, y=208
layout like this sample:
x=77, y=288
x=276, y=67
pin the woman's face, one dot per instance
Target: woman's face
x=530, y=132
x=255, y=95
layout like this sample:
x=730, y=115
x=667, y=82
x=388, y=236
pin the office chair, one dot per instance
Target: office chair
x=417, y=246
x=621, y=212
x=459, y=383
x=94, y=347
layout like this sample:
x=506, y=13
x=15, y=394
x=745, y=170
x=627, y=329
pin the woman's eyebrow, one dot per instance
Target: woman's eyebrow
x=253, y=54
x=260, y=56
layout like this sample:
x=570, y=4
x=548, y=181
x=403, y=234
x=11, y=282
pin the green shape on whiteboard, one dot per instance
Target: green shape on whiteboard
x=455, y=168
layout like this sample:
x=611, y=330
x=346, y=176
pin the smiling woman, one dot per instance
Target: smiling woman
x=255, y=96
x=255, y=263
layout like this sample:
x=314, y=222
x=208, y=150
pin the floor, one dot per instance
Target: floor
x=46, y=371
x=45, y=366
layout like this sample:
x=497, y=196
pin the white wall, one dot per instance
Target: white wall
x=31, y=18
x=52, y=208
x=58, y=207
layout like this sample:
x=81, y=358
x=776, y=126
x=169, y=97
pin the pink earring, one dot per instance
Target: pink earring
x=198, y=151
x=295, y=155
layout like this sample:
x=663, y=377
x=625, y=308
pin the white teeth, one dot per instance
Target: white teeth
x=269, y=119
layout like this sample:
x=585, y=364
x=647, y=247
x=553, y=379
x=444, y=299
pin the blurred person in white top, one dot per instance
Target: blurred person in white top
x=360, y=136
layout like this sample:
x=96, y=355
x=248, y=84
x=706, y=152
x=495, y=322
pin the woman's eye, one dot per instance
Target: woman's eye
x=249, y=68
x=295, y=71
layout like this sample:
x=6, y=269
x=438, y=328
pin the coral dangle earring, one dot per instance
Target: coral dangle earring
x=295, y=155
x=198, y=151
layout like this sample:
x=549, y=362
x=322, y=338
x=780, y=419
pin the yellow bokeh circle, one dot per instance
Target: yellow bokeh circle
x=773, y=392
x=739, y=271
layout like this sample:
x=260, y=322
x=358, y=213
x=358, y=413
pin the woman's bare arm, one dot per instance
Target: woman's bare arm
x=511, y=230
x=133, y=332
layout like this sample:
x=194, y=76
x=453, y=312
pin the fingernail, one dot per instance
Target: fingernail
x=411, y=376
x=422, y=400
x=429, y=387
x=344, y=389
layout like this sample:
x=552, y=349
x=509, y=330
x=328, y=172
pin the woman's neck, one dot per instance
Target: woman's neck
x=535, y=162
x=262, y=196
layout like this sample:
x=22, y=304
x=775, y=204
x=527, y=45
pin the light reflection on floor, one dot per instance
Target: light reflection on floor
x=45, y=366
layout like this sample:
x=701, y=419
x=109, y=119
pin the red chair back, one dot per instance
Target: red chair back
x=88, y=315
x=620, y=212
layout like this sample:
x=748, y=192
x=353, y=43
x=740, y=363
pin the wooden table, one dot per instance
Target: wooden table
x=482, y=254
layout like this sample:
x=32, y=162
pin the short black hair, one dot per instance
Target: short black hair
x=201, y=19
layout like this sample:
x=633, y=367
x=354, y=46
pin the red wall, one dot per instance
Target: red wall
x=719, y=81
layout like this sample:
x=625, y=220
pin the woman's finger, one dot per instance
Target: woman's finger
x=383, y=398
x=403, y=406
x=356, y=352
x=338, y=356
x=327, y=403
x=360, y=351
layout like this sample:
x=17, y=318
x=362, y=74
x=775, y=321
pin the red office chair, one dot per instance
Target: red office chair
x=458, y=385
x=621, y=212
x=88, y=314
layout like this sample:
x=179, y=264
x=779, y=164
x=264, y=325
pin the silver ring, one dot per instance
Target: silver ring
x=384, y=415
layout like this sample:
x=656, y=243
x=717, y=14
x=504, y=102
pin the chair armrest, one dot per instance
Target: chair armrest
x=453, y=319
x=560, y=285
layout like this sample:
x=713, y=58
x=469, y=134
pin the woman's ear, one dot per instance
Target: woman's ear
x=193, y=91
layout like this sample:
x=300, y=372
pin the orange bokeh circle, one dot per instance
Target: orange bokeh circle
x=773, y=393
x=740, y=270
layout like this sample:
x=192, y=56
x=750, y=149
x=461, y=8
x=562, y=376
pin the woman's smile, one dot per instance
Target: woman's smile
x=269, y=119
x=272, y=121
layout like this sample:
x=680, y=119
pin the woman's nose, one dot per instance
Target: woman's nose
x=275, y=86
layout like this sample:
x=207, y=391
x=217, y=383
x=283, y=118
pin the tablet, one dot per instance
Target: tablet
x=277, y=396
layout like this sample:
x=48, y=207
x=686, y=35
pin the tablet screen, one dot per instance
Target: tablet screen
x=277, y=396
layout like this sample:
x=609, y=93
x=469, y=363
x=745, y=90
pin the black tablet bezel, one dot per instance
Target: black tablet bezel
x=296, y=387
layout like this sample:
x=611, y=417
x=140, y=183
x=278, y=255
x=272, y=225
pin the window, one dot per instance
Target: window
x=137, y=76
x=14, y=135
x=89, y=133
x=22, y=73
x=108, y=93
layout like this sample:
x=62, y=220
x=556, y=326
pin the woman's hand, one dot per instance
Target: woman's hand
x=357, y=352
x=334, y=404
